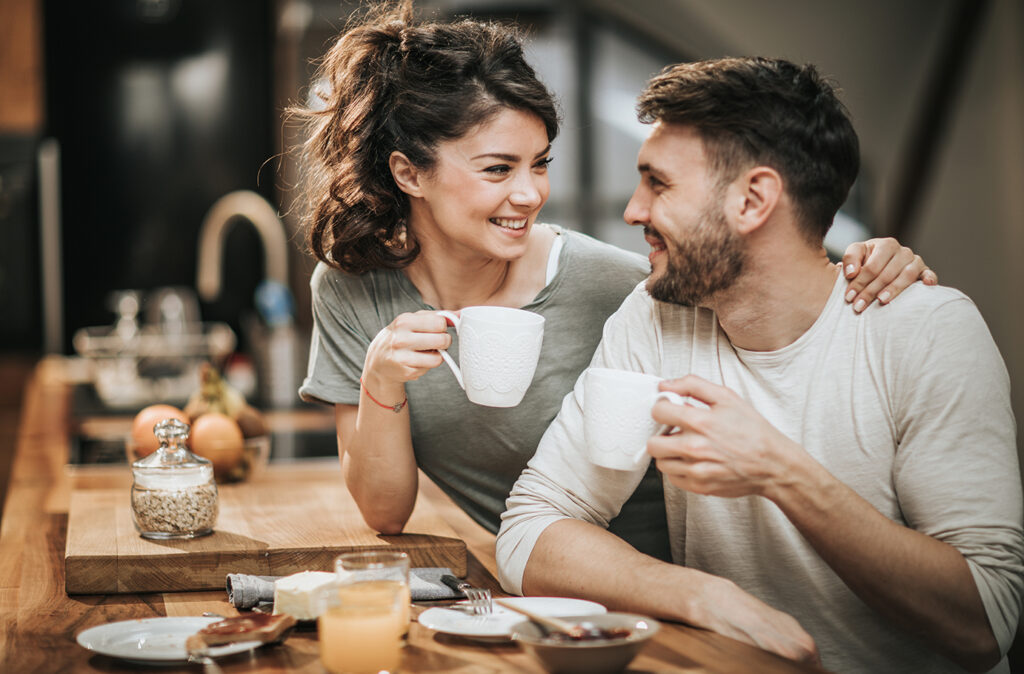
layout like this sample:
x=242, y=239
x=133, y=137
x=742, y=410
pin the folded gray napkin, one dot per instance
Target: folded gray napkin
x=246, y=591
x=425, y=584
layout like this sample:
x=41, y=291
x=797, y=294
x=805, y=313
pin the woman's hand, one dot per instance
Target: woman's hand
x=882, y=269
x=406, y=349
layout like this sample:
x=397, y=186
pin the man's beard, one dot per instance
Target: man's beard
x=707, y=261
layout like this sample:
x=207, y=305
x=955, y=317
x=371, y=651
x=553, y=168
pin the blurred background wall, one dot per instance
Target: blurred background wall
x=935, y=88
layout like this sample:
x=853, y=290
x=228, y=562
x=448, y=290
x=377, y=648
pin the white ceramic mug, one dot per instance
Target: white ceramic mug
x=498, y=352
x=617, y=415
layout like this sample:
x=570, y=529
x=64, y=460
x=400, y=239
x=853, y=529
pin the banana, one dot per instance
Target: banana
x=216, y=395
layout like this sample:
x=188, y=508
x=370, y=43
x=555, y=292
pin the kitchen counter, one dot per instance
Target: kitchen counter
x=38, y=621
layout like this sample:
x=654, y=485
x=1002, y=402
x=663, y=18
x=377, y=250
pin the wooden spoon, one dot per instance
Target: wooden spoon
x=550, y=623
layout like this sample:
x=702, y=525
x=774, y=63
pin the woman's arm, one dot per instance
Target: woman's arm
x=380, y=470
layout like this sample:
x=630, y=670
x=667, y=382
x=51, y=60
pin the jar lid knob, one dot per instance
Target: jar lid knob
x=171, y=431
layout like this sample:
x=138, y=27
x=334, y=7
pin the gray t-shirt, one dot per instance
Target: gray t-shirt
x=475, y=453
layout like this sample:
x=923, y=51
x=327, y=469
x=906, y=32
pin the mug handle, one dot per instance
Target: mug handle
x=456, y=322
x=663, y=429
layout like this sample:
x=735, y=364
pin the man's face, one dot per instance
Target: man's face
x=679, y=203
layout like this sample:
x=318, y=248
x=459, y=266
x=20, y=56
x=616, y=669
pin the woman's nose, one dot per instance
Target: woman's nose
x=527, y=192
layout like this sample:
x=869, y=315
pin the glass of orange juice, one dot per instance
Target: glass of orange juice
x=361, y=631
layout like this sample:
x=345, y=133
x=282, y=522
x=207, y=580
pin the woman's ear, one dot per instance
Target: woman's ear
x=406, y=175
x=759, y=191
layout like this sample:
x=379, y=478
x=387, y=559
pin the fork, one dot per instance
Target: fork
x=479, y=598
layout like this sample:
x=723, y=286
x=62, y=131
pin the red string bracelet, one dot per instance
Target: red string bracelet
x=396, y=408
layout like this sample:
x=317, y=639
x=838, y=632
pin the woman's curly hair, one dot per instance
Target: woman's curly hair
x=389, y=83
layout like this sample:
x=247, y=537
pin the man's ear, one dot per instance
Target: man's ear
x=757, y=195
x=406, y=175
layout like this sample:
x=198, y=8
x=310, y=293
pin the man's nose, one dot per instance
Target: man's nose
x=637, y=210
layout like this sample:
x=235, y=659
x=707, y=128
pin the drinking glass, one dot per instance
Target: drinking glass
x=361, y=631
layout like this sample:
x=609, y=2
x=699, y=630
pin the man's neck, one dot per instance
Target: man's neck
x=776, y=300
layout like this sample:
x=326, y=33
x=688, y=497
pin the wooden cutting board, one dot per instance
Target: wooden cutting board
x=272, y=527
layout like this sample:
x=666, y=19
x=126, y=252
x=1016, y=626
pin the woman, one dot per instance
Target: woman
x=429, y=167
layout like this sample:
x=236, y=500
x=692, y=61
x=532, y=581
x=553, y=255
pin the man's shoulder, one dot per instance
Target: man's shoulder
x=921, y=302
x=929, y=322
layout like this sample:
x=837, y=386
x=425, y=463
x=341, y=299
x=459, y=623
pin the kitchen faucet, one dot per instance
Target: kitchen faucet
x=255, y=209
x=274, y=345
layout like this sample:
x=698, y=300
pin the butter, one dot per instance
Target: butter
x=304, y=595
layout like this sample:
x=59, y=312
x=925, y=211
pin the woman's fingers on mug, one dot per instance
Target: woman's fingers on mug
x=418, y=362
x=421, y=321
x=451, y=318
x=428, y=341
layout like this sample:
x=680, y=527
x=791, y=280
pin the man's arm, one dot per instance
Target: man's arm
x=920, y=584
x=578, y=559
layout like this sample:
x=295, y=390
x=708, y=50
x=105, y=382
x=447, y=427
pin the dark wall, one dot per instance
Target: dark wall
x=160, y=107
x=20, y=316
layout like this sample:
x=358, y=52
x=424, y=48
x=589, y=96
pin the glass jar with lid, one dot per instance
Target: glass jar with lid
x=173, y=491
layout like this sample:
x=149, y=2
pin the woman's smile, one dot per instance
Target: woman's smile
x=510, y=223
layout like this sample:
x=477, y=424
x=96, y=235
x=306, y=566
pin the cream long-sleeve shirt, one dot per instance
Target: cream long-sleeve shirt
x=908, y=404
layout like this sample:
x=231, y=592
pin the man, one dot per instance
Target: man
x=855, y=472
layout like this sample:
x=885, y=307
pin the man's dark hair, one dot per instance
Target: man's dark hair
x=765, y=112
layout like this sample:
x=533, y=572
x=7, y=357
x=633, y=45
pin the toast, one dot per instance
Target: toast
x=262, y=627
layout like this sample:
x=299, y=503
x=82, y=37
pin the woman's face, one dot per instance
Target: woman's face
x=486, y=188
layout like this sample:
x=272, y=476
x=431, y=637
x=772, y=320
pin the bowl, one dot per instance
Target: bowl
x=254, y=459
x=599, y=656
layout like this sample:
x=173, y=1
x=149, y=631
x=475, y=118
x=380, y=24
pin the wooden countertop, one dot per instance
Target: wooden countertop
x=38, y=621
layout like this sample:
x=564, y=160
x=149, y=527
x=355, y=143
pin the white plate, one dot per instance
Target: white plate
x=154, y=640
x=498, y=625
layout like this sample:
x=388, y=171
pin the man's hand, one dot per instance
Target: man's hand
x=727, y=449
x=734, y=613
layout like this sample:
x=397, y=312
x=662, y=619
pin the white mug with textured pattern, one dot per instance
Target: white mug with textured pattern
x=617, y=415
x=498, y=352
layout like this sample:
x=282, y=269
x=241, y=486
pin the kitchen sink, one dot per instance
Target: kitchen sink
x=98, y=433
x=284, y=446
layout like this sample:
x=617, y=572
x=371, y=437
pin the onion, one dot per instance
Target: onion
x=217, y=437
x=144, y=442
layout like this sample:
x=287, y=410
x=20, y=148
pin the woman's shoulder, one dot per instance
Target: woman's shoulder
x=328, y=278
x=587, y=247
x=583, y=250
x=353, y=293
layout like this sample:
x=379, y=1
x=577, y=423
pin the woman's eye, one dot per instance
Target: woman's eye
x=500, y=169
x=543, y=163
